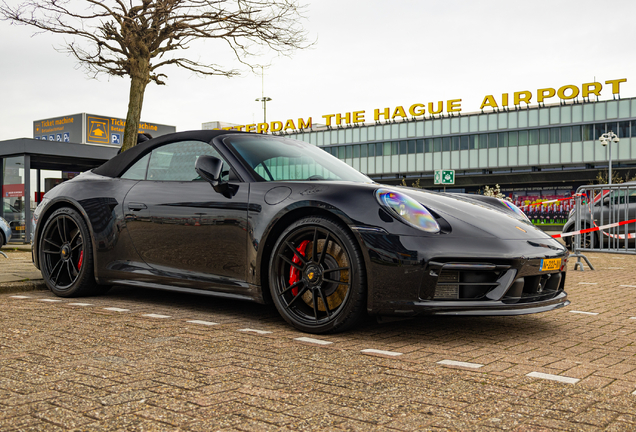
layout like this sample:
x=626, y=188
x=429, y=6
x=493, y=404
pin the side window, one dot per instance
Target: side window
x=138, y=170
x=175, y=162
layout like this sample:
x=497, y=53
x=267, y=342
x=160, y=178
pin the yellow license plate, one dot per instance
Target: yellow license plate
x=550, y=264
x=19, y=228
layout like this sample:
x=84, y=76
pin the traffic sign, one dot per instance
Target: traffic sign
x=444, y=177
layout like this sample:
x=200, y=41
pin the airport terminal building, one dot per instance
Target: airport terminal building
x=538, y=150
x=553, y=146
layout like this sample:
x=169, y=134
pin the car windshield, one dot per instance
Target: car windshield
x=283, y=159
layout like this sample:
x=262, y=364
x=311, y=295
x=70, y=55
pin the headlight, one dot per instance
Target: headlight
x=514, y=208
x=407, y=210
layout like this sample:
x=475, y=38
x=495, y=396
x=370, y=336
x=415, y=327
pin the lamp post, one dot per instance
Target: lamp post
x=264, y=99
x=605, y=139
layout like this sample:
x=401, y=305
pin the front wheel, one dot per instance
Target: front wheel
x=317, y=278
x=66, y=255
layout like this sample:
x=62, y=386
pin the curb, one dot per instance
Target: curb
x=24, y=286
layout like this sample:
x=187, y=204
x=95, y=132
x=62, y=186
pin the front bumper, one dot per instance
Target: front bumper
x=410, y=275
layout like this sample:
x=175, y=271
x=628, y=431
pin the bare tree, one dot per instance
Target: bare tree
x=136, y=38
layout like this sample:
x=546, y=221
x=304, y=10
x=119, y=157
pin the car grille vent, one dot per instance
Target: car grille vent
x=447, y=286
x=466, y=281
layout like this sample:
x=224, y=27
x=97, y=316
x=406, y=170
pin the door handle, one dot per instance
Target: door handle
x=136, y=206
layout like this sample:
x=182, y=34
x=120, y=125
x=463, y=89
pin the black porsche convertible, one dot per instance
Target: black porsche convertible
x=270, y=219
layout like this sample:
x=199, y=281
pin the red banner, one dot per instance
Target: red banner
x=13, y=190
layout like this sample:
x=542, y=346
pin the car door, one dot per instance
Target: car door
x=180, y=225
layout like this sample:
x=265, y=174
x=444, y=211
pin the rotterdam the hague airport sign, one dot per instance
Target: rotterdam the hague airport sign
x=450, y=107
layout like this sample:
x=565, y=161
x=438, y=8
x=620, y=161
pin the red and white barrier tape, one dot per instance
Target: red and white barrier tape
x=597, y=228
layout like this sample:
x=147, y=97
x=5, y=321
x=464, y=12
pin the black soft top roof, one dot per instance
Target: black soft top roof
x=120, y=163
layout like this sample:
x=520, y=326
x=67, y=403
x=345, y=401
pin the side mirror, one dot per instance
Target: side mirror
x=210, y=168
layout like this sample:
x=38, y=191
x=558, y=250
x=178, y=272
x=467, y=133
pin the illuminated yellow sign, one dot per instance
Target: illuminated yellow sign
x=451, y=106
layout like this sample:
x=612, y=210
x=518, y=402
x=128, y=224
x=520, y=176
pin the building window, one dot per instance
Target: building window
x=623, y=129
x=587, y=132
x=437, y=144
x=513, y=139
x=446, y=144
x=455, y=143
x=411, y=146
x=599, y=129
x=464, y=142
x=503, y=139
x=523, y=138
x=403, y=145
x=492, y=140
x=378, y=149
x=544, y=136
x=483, y=141
x=349, y=151
x=555, y=135
x=428, y=145
x=566, y=134
x=576, y=133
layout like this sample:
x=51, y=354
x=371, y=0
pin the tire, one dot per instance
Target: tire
x=317, y=277
x=587, y=239
x=66, y=255
x=3, y=240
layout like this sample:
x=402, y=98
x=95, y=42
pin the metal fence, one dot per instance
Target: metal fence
x=605, y=215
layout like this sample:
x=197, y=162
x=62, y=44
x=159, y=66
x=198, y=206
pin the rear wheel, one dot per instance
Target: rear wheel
x=317, y=278
x=66, y=255
x=586, y=239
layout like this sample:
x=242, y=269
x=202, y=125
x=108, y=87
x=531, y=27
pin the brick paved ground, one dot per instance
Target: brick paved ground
x=65, y=366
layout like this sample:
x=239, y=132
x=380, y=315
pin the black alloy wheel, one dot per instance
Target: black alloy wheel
x=66, y=257
x=316, y=277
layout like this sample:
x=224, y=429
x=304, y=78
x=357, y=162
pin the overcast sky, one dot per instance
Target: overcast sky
x=369, y=54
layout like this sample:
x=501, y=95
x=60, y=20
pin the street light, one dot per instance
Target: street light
x=263, y=98
x=605, y=139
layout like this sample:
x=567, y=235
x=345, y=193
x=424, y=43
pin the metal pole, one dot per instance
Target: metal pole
x=609, y=180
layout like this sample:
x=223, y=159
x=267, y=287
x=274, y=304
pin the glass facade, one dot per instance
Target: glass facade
x=13, y=196
x=533, y=137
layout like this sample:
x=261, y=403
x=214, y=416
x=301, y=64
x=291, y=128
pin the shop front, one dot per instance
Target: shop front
x=29, y=168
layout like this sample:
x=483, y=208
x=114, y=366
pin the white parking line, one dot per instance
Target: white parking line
x=462, y=364
x=313, y=341
x=254, y=331
x=207, y=323
x=50, y=300
x=387, y=353
x=633, y=318
x=558, y=378
x=616, y=268
x=588, y=283
x=585, y=313
x=156, y=316
x=80, y=304
x=114, y=309
x=628, y=286
x=20, y=297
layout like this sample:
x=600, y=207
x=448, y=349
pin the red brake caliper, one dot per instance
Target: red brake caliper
x=294, y=273
x=79, y=263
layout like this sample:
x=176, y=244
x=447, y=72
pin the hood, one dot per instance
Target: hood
x=474, y=216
